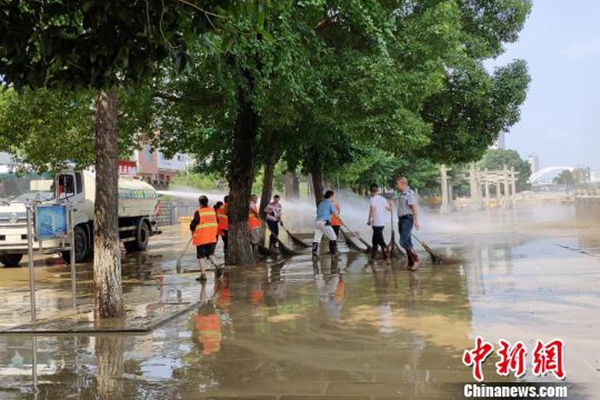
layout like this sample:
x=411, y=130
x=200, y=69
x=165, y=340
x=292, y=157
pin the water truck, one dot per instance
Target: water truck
x=138, y=209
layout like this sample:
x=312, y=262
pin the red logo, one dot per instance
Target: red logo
x=546, y=358
x=477, y=357
x=549, y=358
x=512, y=358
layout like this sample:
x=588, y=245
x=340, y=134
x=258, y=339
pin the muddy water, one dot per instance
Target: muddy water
x=343, y=328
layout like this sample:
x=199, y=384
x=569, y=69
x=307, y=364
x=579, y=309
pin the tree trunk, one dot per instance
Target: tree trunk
x=110, y=366
x=317, y=181
x=267, y=186
x=241, y=176
x=108, y=294
x=296, y=185
x=291, y=185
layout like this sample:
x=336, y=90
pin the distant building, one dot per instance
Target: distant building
x=582, y=174
x=500, y=143
x=158, y=170
x=534, y=162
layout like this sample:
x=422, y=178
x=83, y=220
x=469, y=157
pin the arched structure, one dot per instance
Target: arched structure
x=538, y=175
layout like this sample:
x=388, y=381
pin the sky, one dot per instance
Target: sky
x=560, y=120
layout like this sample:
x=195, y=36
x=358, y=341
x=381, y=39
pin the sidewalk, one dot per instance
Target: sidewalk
x=153, y=292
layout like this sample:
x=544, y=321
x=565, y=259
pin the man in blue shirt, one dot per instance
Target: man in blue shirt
x=408, y=218
x=325, y=210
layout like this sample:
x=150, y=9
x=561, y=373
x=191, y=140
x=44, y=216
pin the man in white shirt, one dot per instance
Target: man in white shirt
x=378, y=215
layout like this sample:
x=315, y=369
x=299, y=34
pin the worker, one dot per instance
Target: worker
x=336, y=223
x=204, y=228
x=254, y=224
x=379, y=209
x=325, y=210
x=207, y=323
x=274, y=213
x=223, y=223
x=408, y=218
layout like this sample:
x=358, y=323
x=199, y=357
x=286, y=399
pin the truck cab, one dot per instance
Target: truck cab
x=138, y=207
x=15, y=191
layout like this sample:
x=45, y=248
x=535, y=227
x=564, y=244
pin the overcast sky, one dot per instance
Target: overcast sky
x=560, y=120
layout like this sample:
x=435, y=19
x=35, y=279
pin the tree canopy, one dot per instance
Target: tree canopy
x=357, y=89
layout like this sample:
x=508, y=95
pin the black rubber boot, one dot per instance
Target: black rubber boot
x=315, y=249
x=333, y=247
x=272, y=243
x=373, y=254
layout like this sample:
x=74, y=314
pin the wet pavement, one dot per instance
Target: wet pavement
x=336, y=328
x=153, y=292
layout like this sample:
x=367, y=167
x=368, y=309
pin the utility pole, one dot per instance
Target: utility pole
x=446, y=199
x=506, y=186
x=487, y=189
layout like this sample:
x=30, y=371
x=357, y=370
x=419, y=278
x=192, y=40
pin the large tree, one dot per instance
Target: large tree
x=411, y=80
x=97, y=46
x=227, y=108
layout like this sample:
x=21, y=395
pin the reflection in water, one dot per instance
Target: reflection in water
x=207, y=323
x=110, y=366
x=328, y=279
x=337, y=326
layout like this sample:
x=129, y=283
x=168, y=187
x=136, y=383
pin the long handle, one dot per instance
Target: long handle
x=274, y=235
x=296, y=240
x=283, y=246
x=417, y=239
x=183, y=254
x=357, y=235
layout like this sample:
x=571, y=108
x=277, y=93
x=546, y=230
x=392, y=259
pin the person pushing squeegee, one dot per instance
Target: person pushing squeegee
x=408, y=218
x=325, y=210
x=204, y=229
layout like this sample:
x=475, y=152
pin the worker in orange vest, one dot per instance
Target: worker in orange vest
x=336, y=222
x=223, y=223
x=254, y=223
x=204, y=228
x=208, y=325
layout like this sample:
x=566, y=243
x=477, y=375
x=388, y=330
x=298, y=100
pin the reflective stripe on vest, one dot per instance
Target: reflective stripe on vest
x=335, y=221
x=223, y=218
x=206, y=230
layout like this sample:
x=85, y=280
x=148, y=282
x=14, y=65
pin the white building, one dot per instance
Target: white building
x=500, y=143
x=534, y=162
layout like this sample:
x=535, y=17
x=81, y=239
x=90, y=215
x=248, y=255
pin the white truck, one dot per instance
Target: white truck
x=138, y=209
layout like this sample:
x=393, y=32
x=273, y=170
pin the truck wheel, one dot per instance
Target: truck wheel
x=11, y=260
x=142, y=235
x=82, y=247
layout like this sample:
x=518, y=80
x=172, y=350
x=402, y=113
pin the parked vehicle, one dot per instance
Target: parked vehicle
x=138, y=208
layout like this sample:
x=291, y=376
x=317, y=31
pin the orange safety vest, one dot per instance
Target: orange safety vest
x=335, y=221
x=254, y=221
x=209, y=332
x=223, y=218
x=206, y=230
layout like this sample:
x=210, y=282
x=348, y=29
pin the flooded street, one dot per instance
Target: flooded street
x=335, y=328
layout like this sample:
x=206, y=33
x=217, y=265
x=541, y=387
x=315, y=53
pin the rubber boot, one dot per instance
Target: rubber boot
x=373, y=255
x=315, y=249
x=272, y=244
x=415, y=259
x=333, y=247
x=387, y=252
x=409, y=259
